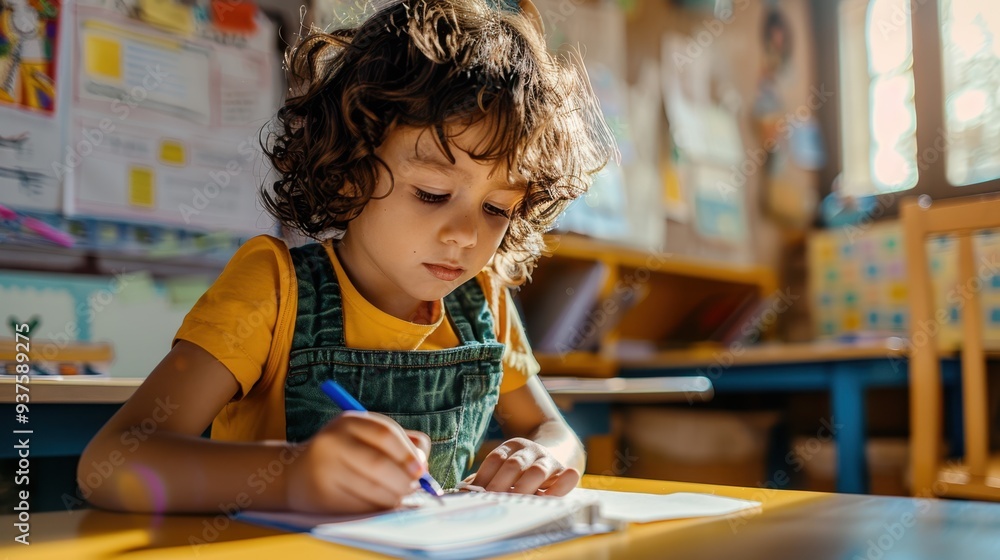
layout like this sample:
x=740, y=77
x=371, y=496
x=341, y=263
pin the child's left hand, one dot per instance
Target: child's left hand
x=522, y=466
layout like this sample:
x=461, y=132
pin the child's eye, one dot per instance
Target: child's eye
x=430, y=198
x=497, y=211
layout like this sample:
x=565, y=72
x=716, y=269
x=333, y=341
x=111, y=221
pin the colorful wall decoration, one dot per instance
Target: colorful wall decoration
x=858, y=282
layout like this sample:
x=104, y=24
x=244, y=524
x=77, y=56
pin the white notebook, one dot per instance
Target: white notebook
x=467, y=525
x=481, y=524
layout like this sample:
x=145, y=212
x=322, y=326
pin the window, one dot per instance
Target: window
x=957, y=141
x=970, y=37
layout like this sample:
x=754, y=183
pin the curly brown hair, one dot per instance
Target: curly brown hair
x=433, y=64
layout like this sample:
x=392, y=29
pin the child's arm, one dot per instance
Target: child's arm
x=150, y=456
x=543, y=452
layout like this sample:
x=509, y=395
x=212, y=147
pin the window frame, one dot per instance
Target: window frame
x=928, y=98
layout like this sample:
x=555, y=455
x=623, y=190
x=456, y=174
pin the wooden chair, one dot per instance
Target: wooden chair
x=977, y=475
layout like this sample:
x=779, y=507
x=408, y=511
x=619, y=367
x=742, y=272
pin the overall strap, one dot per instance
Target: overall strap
x=470, y=313
x=319, y=321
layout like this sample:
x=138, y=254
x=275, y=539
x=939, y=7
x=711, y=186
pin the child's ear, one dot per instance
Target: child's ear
x=529, y=9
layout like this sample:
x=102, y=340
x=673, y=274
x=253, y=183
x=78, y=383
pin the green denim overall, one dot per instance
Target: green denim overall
x=448, y=394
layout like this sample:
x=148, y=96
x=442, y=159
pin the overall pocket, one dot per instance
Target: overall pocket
x=442, y=427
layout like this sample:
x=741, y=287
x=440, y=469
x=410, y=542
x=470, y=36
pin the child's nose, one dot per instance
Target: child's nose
x=461, y=230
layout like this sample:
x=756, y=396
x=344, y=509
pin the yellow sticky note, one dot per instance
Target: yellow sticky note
x=852, y=320
x=141, y=187
x=103, y=57
x=897, y=292
x=172, y=152
x=167, y=14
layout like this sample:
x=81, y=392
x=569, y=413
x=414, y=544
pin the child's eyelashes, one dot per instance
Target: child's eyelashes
x=432, y=198
x=497, y=211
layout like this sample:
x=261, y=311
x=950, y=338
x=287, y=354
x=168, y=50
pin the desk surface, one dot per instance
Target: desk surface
x=790, y=525
x=771, y=354
x=73, y=389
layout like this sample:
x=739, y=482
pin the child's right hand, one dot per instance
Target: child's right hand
x=359, y=462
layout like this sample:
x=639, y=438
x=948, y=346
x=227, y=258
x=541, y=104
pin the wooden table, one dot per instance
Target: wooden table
x=65, y=413
x=76, y=389
x=790, y=525
x=846, y=370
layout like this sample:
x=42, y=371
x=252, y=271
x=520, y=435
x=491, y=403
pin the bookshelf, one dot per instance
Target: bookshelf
x=669, y=291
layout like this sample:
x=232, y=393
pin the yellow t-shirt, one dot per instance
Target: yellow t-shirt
x=247, y=318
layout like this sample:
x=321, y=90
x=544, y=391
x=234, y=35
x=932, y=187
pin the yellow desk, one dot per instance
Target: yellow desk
x=790, y=525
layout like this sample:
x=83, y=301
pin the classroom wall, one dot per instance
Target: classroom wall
x=737, y=57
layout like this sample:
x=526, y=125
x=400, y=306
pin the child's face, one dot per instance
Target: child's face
x=437, y=228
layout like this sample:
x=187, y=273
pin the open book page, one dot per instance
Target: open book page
x=636, y=507
x=466, y=520
x=484, y=524
x=630, y=507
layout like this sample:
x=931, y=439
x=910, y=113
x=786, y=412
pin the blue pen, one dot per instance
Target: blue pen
x=345, y=401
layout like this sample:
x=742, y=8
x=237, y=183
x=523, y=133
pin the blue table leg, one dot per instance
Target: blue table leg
x=954, y=423
x=849, y=424
x=589, y=419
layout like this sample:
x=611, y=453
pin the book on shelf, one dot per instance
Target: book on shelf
x=556, y=320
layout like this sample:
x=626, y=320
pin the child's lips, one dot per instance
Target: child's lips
x=444, y=272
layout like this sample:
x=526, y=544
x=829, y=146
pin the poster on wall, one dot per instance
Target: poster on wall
x=719, y=213
x=165, y=122
x=710, y=153
x=30, y=40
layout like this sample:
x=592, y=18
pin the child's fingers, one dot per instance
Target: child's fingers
x=369, y=496
x=532, y=478
x=491, y=464
x=511, y=470
x=385, y=435
x=508, y=472
x=421, y=440
x=379, y=472
x=562, y=483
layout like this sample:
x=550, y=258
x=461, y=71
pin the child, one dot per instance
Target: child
x=437, y=141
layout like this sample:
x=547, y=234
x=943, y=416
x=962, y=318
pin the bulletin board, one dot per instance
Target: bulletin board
x=157, y=119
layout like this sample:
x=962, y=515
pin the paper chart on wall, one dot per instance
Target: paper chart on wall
x=164, y=126
x=720, y=209
x=29, y=113
x=704, y=130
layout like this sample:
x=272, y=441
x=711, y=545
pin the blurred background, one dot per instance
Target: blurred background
x=749, y=237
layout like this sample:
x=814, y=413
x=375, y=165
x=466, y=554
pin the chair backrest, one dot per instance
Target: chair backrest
x=961, y=219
